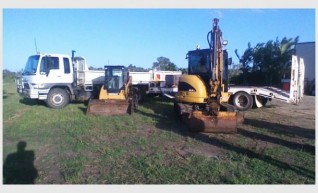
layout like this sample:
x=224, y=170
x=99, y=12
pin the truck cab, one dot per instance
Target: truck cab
x=41, y=72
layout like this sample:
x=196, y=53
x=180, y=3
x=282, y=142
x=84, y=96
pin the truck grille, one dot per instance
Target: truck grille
x=26, y=85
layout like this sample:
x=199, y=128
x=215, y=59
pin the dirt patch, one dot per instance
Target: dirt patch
x=206, y=150
x=15, y=116
x=277, y=124
x=47, y=164
x=90, y=172
x=280, y=124
x=301, y=115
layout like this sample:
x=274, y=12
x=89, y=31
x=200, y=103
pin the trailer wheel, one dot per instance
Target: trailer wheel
x=57, y=98
x=136, y=98
x=242, y=101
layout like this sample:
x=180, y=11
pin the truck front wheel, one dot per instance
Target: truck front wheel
x=242, y=101
x=57, y=98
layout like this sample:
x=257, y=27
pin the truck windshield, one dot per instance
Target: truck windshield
x=31, y=65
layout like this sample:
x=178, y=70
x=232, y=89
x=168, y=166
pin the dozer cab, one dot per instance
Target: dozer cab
x=202, y=95
x=116, y=96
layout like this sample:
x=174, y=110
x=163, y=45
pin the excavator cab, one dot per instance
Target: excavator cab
x=199, y=62
x=115, y=96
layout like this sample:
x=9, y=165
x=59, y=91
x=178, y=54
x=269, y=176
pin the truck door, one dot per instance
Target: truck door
x=67, y=70
x=55, y=70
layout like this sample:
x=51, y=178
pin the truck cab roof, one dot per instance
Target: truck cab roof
x=52, y=55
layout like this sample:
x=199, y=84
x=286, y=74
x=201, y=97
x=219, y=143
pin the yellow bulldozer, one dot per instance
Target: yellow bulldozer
x=202, y=98
x=117, y=96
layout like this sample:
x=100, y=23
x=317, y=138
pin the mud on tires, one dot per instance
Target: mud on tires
x=57, y=98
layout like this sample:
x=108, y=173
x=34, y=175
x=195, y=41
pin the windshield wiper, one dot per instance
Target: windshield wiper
x=28, y=73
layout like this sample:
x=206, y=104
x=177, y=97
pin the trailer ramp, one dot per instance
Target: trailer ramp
x=294, y=95
x=266, y=91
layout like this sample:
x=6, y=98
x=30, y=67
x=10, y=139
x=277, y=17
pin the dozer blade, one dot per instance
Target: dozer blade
x=225, y=122
x=107, y=107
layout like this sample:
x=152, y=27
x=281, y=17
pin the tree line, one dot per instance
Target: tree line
x=264, y=64
x=162, y=63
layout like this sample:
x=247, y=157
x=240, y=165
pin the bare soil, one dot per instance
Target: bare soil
x=277, y=123
x=301, y=115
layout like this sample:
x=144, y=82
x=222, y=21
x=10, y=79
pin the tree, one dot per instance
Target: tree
x=183, y=70
x=133, y=68
x=266, y=63
x=164, y=63
x=245, y=61
x=234, y=71
x=7, y=74
x=287, y=49
x=274, y=58
x=95, y=68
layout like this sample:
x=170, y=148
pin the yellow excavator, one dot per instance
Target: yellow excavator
x=202, y=98
x=117, y=96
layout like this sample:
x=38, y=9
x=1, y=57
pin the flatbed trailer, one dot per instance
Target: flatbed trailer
x=156, y=82
x=245, y=97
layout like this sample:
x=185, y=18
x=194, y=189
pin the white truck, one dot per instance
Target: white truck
x=243, y=97
x=156, y=82
x=58, y=79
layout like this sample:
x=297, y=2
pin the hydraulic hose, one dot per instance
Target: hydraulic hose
x=208, y=37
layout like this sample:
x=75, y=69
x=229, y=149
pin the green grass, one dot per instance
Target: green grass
x=149, y=147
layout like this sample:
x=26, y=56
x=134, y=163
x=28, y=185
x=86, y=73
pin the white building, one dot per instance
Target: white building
x=306, y=50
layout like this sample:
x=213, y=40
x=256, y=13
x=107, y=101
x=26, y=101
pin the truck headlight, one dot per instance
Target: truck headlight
x=34, y=85
x=41, y=85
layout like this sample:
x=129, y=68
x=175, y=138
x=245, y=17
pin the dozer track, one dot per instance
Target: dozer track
x=108, y=107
